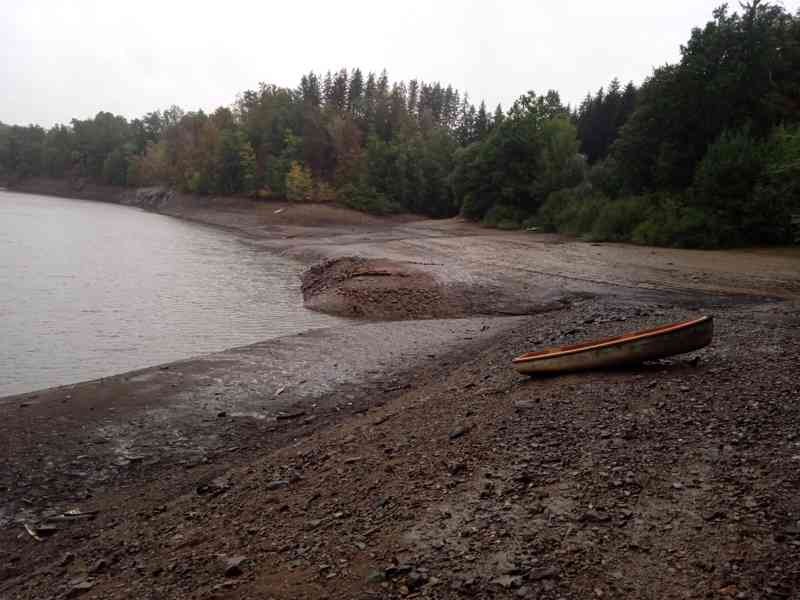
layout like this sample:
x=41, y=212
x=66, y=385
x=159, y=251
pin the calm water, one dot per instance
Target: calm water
x=90, y=289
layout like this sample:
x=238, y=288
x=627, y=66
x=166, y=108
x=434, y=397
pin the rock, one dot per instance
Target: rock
x=98, y=567
x=542, y=573
x=233, y=566
x=520, y=405
x=78, y=587
x=456, y=468
x=289, y=416
x=66, y=559
x=277, y=484
x=677, y=485
x=215, y=487
x=458, y=432
x=508, y=581
x=397, y=570
x=415, y=580
x=222, y=413
x=376, y=577
x=593, y=516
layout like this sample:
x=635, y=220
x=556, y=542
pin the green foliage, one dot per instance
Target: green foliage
x=704, y=153
x=724, y=183
x=618, y=219
x=299, y=183
x=777, y=193
x=115, y=167
x=367, y=199
x=561, y=165
x=739, y=69
x=529, y=154
x=571, y=211
x=504, y=217
x=600, y=118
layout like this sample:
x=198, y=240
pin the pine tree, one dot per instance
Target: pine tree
x=355, y=95
x=481, y=122
x=413, y=97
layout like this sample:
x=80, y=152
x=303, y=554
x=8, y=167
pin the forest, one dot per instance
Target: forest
x=704, y=153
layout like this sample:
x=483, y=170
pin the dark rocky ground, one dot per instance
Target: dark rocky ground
x=672, y=480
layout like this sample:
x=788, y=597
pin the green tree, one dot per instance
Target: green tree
x=299, y=183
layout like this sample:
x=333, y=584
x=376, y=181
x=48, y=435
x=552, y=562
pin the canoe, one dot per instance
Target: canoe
x=631, y=348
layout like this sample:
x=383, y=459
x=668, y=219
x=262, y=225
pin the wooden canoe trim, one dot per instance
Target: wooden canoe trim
x=575, y=348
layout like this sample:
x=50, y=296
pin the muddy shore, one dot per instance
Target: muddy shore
x=403, y=458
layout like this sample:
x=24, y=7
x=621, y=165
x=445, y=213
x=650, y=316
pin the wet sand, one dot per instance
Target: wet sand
x=400, y=458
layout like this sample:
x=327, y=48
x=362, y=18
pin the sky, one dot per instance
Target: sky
x=73, y=58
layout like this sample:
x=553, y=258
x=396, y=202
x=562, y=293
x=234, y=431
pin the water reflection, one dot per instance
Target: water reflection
x=90, y=289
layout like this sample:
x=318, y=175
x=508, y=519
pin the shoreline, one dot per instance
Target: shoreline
x=404, y=457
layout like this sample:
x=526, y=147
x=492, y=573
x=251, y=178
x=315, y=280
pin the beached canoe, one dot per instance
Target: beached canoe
x=632, y=348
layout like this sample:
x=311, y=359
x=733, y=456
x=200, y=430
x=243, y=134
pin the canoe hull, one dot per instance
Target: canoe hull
x=626, y=350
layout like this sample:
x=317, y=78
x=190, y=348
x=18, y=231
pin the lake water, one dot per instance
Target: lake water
x=89, y=289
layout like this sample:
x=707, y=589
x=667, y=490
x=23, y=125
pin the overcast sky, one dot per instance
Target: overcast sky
x=65, y=59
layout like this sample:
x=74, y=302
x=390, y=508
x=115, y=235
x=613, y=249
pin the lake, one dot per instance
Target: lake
x=89, y=289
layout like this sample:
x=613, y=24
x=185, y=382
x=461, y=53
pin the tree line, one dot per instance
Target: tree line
x=705, y=153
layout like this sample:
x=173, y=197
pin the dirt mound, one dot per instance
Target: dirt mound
x=382, y=289
x=376, y=289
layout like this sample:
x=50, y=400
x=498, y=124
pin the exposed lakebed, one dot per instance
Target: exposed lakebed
x=90, y=289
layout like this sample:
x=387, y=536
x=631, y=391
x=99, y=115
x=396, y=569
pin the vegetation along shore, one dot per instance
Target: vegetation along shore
x=704, y=153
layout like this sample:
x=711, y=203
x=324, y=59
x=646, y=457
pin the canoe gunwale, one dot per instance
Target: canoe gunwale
x=609, y=342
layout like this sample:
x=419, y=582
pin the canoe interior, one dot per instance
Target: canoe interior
x=553, y=352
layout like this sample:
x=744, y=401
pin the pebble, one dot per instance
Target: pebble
x=78, y=587
x=233, y=566
x=98, y=567
x=458, y=432
x=277, y=484
x=542, y=573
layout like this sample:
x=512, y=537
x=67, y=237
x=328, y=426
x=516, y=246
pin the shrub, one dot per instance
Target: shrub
x=504, y=217
x=617, y=219
x=324, y=193
x=299, y=183
x=724, y=183
x=476, y=204
x=366, y=199
x=572, y=211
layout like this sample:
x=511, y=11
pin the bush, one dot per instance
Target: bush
x=572, y=211
x=723, y=186
x=366, y=199
x=652, y=219
x=671, y=223
x=504, y=217
x=475, y=205
x=605, y=177
x=299, y=183
x=324, y=193
x=617, y=219
x=777, y=194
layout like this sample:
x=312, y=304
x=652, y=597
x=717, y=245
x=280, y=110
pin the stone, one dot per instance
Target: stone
x=79, y=587
x=277, y=484
x=415, y=580
x=542, y=573
x=233, y=566
x=375, y=577
x=458, y=432
x=98, y=567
